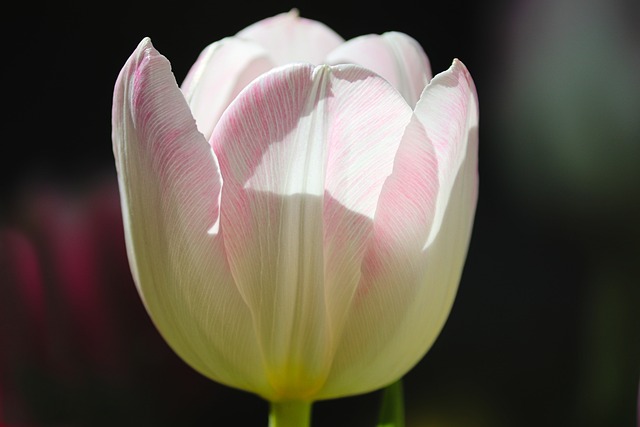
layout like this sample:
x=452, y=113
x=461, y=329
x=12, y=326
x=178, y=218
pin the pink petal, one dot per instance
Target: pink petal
x=407, y=204
x=395, y=56
x=304, y=154
x=170, y=187
x=421, y=235
x=391, y=268
x=289, y=38
x=448, y=109
x=370, y=121
x=222, y=70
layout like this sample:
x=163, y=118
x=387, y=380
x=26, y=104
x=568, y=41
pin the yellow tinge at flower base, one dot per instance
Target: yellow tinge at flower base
x=297, y=213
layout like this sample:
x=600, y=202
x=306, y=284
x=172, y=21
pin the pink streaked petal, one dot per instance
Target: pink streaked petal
x=170, y=188
x=408, y=200
x=395, y=56
x=222, y=70
x=391, y=267
x=272, y=219
x=415, y=284
x=304, y=154
x=369, y=119
x=448, y=109
x=290, y=38
x=414, y=302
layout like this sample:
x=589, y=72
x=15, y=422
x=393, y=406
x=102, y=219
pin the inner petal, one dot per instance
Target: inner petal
x=304, y=153
x=272, y=147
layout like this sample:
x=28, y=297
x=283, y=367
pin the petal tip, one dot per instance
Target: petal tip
x=146, y=42
x=145, y=48
x=294, y=13
x=457, y=66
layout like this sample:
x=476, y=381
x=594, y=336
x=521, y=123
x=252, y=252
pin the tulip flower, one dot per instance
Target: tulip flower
x=298, y=213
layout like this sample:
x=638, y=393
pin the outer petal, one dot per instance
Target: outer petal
x=409, y=283
x=395, y=56
x=304, y=154
x=289, y=38
x=448, y=109
x=222, y=70
x=170, y=188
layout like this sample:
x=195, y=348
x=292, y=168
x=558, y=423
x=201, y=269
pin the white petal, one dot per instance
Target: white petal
x=289, y=38
x=170, y=187
x=304, y=154
x=448, y=109
x=411, y=274
x=222, y=70
x=395, y=56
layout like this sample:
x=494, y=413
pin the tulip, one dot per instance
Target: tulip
x=298, y=213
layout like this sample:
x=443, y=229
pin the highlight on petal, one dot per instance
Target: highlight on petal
x=222, y=70
x=304, y=153
x=170, y=186
x=290, y=39
x=395, y=56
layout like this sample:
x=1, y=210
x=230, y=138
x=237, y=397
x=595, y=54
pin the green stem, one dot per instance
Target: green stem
x=392, y=410
x=290, y=414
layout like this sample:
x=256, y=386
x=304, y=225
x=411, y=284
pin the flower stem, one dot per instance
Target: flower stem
x=290, y=414
x=392, y=410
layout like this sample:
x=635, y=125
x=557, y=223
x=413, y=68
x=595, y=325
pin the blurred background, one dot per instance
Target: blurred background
x=545, y=330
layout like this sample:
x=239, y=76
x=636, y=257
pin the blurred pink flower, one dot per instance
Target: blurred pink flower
x=76, y=343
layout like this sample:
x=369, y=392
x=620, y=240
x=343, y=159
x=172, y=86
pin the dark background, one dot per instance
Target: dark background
x=545, y=329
